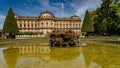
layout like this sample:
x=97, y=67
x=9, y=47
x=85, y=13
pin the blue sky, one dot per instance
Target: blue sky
x=60, y=8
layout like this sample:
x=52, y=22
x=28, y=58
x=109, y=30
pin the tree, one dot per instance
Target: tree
x=10, y=25
x=107, y=18
x=87, y=24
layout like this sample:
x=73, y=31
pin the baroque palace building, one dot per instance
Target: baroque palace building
x=46, y=22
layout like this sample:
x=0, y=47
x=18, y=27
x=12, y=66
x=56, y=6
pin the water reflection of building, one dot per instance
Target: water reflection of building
x=46, y=22
x=33, y=49
x=35, y=62
x=38, y=59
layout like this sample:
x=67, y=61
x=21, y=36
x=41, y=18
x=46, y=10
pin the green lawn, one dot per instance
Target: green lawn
x=31, y=41
x=45, y=41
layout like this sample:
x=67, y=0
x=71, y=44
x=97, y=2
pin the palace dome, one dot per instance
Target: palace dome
x=46, y=14
x=75, y=17
x=16, y=15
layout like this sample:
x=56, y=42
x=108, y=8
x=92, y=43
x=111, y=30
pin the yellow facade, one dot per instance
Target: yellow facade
x=46, y=22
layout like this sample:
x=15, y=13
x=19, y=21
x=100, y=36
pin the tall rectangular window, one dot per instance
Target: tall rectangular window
x=63, y=25
x=46, y=24
x=51, y=24
x=66, y=25
x=35, y=25
x=20, y=24
x=28, y=25
x=31, y=25
x=76, y=25
x=79, y=25
x=73, y=25
x=60, y=25
x=24, y=25
x=70, y=25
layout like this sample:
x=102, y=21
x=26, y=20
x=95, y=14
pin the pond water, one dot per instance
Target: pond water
x=90, y=56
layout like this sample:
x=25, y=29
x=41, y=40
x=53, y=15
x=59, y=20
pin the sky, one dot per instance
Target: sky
x=60, y=8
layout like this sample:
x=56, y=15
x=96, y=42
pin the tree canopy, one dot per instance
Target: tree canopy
x=10, y=24
x=107, y=18
x=87, y=23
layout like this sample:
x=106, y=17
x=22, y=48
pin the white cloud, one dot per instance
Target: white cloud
x=2, y=18
x=82, y=6
x=1, y=26
x=57, y=4
x=54, y=7
x=21, y=10
x=46, y=4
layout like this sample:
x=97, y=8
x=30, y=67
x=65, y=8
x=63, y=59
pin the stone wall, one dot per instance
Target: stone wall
x=28, y=36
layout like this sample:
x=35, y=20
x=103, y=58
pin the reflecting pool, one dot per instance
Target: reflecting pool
x=90, y=56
